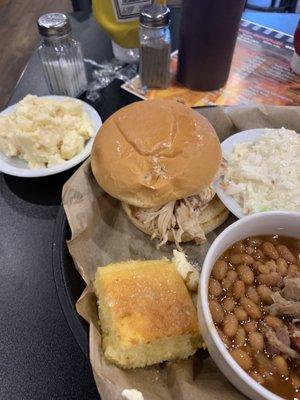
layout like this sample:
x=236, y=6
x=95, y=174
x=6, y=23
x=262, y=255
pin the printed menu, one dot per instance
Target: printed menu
x=260, y=73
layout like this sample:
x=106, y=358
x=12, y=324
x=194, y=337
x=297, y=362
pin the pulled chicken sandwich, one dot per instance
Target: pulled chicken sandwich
x=160, y=159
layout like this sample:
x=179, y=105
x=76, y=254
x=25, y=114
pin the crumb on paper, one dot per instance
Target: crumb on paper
x=189, y=274
x=132, y=394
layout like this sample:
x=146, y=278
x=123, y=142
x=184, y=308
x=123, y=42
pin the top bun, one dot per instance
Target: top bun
x=151, y=152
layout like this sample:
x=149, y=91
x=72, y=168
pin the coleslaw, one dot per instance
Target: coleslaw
x=264, y=174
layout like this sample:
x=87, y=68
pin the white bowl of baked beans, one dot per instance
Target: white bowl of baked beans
x=248, y=304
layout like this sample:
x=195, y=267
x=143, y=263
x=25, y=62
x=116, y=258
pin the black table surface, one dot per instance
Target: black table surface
x=39, y=357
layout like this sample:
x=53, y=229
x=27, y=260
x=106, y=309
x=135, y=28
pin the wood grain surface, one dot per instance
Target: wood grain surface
x=19, y=37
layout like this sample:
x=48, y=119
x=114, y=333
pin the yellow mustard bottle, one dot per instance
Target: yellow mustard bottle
x=120, y=20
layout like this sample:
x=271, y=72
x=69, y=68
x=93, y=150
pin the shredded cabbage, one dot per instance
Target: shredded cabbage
x=264, y=174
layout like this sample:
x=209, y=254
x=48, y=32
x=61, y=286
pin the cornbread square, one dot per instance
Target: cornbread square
x=146, y=313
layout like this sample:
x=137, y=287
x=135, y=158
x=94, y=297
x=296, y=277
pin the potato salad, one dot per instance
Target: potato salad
x=45, y=132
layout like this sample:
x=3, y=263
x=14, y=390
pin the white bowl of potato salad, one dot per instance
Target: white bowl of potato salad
x=261, y=171
x=45, y=135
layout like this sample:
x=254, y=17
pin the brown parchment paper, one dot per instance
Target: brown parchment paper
x=101, y=233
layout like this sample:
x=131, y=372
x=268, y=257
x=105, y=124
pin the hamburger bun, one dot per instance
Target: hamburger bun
x=152, y=152
x=212, y=216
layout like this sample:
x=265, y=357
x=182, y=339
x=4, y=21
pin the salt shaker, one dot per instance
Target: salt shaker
x=61, y=56
x=155, y=46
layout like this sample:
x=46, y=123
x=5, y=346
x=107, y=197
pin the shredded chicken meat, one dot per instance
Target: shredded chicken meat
x=178, y=217
x=291, y=290
x=287, y=303
x=286, y=339
x=282, y=307
x=285, y=348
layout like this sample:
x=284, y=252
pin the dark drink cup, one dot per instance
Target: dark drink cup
x=295, y=61
x=208, y=33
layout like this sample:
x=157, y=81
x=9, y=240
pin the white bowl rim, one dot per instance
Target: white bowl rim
x=203, y=290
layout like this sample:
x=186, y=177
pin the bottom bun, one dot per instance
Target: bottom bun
x=212, y=216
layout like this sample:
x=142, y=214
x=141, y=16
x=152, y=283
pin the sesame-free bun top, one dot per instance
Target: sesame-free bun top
x=151, y=152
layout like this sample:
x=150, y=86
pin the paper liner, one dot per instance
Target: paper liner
x=101, y=234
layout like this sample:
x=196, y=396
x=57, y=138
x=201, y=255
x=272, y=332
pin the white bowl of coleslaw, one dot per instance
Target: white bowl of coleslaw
x=262, y=172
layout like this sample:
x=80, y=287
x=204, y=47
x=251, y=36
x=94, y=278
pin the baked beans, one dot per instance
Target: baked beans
x=241, y=289
x=228, y=304
x=214, y=287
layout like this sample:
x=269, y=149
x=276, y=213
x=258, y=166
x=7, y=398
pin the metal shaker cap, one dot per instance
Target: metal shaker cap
x=155, y=16
x=54, y=24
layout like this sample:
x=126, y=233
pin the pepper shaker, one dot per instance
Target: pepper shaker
x=155, y=46
x=61, y=56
